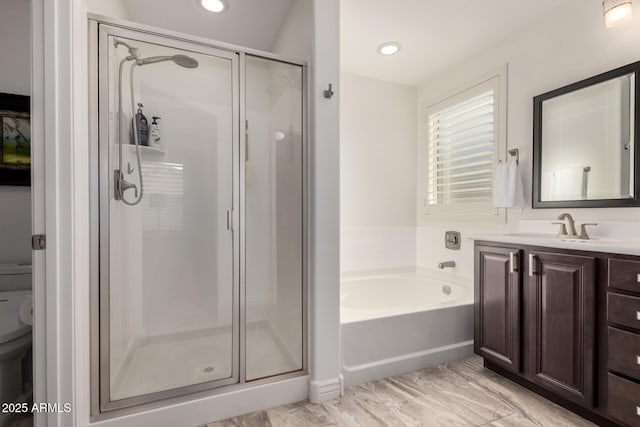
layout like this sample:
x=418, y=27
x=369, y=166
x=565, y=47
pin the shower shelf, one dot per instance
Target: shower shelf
x=143, y=149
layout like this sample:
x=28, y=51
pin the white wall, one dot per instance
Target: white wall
x=312, y=31
x=378, y=174
x=569, y=45
x=324, y=194
x=110, y=8
x=296, y=37
x=15, y=77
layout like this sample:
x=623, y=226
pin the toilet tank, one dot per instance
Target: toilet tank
x=15, y=277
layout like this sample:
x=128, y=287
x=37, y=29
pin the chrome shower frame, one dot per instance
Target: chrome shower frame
x=100, y=28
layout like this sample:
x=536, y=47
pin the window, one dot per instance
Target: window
x=462, y=144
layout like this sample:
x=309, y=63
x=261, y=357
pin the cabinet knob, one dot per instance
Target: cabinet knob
x=637, y=315
x=638, y=278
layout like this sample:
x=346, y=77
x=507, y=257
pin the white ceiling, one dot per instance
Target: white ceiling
x=251, y=23
x=434, y=34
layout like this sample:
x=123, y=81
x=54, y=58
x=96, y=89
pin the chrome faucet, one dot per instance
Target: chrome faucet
x=571, y=224
x=583, y=231
x=442, y=265
x=572, y=228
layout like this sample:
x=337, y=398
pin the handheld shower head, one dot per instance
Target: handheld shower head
x=185, y=61
x=181, y=60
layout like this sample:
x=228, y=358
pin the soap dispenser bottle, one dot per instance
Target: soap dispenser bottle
x=142, y=127
x=156, y=140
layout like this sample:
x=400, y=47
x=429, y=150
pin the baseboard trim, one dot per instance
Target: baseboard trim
x=385, y=368
x=322, y=391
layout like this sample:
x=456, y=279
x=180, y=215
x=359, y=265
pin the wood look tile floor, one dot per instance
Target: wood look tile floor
x=20, y=421
x=460, y=393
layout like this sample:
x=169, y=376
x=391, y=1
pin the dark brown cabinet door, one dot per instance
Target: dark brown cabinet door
x=497, y=305
x=561, y=324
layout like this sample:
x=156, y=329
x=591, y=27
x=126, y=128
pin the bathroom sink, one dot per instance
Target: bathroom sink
x=592, y=239
x=595, y=244
x=601, y=240
x=542, y=236
x=531, y=235
x=524, y=236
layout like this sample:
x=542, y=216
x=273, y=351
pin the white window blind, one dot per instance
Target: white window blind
x=461, y=151
x=464, y=134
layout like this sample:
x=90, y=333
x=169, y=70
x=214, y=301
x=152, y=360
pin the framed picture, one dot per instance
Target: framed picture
x=15, y=140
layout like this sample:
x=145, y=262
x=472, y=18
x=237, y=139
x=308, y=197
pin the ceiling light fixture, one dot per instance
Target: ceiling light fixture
x=616, y=12
x=215, y=6
x=389, y=48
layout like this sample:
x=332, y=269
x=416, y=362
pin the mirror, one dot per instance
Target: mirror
x=584, y=143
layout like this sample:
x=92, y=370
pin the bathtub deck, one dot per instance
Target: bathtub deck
x=460, y=393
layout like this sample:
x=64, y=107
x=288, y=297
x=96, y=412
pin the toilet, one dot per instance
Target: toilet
x=16, y=319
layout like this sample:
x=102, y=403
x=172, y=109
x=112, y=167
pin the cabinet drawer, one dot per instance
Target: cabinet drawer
x=624, y=274
x=624, y=400
x=624, y=353
x=623, y=310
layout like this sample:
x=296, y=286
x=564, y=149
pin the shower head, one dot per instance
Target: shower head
x=181, y=60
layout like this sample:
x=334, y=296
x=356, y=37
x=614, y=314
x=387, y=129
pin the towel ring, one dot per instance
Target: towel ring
x=515, y=153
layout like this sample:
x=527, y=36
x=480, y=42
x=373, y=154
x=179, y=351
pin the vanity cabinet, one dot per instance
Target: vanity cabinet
x=564, y=323
x=623, y=337
x=561, y=324
x=497, y=306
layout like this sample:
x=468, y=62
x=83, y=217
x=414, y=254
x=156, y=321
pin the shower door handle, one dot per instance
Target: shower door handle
x=230, y=220
x=246, y=140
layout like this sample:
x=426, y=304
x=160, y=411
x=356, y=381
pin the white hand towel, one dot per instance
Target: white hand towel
x=508, y=191
x=516, y=189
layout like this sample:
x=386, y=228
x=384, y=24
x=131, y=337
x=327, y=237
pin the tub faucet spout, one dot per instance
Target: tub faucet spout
x=442, y=265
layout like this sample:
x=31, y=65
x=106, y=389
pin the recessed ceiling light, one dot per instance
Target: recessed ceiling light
x=389, y=48
x=216, y=6
x=616, y=12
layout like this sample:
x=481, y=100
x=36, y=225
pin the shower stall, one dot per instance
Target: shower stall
x=199, y=220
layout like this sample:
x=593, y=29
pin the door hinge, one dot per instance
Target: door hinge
x=38, y=242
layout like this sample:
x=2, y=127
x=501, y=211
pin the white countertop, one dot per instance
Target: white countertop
x=596, y=244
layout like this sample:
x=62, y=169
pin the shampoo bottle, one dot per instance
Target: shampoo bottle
x=142, y=127
x=156, y=140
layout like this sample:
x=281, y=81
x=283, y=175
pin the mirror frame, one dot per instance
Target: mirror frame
x=537, y=143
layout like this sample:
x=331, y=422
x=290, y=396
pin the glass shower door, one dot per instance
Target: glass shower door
x=274, y=218
x=167, y=207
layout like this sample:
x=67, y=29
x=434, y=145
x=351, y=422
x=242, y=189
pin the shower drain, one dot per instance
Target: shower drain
x=208, y=369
